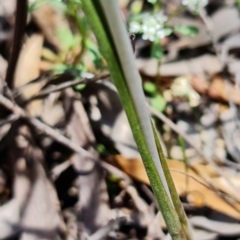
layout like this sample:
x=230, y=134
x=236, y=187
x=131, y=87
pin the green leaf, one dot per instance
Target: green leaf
x=80, y=67
x=158, y=102
x=101, y=148
x=176, y=201
x=187, y=30
x=94, y=53
x=66, y=37
x=157, y=51
x=35, y=5
x=60, y=68
x=113, y=178
x=136, y=7
x=80, y=87
x=59, y=4
x=152, y=1
x=238, y=3
x=38, y=3
x=183, y=148
x=167, y=31
x=150, y=88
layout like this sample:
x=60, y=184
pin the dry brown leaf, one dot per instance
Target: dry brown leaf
x=222, y=185
x=29, y=60
x=219, y=182
x=50, y=18
x=199, y=84
x=52, y=111
x=196, y=192
x=46, y=66
x=205, y=171
x=28, y=69
x=218, y=90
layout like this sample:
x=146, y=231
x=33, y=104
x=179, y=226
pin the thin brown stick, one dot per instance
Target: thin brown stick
x=209, y=27
x=65, y=85
x=111, y=226
x=205, y=185
x=44, y=128
x=174, y=127
x=19, y=112
x=11, y=118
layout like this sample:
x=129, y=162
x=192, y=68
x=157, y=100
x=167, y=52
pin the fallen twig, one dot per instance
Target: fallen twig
x=104, y=231
x=175, y=128
x=225, y=195
x=44, y=128
x=11, y=118
x=19, y=112
x=65, y=85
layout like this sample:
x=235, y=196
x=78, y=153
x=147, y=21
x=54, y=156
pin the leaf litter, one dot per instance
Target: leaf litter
x=69, y=166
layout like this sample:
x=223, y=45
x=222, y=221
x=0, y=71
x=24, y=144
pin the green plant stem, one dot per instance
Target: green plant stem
x=104, y=15
x=83, y=31
x=175, y=13
x=159, y=62
x=74, y=13
x=183, y=148
x=157, y=6
x=176, y=201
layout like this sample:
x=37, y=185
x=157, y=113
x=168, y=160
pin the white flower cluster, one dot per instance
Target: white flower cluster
x=152, y=27
x=195, y=5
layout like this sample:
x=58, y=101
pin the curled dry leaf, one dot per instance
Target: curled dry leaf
x=50, y=19
x=199, y=84
x=28, y=69
x=28, y=63
x=221, y=91
x=197, y=193
x=218, y=89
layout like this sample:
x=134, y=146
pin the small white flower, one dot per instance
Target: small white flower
x=149, y=29
x=135, y=27
x=161, y=18
x=160, y=33
x=152, y=26
x=149, y=33
x=195, y=5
